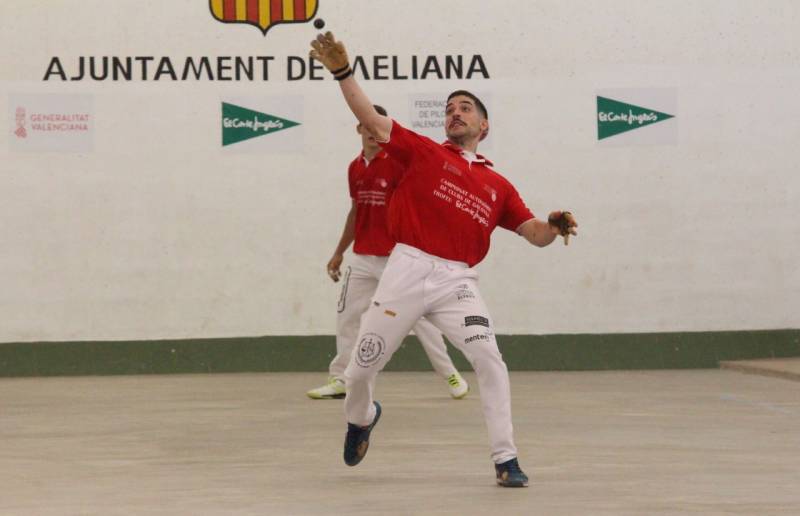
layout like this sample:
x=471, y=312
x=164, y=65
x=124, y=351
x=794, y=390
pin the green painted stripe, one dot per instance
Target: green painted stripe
x=521, y=353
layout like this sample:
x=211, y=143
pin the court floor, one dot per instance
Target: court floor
x=594, y=443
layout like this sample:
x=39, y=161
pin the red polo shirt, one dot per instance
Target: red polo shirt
x=371, y=185
x=445, y=205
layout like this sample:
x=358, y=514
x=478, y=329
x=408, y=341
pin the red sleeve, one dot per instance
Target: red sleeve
x=403, y=143
x=514, y=210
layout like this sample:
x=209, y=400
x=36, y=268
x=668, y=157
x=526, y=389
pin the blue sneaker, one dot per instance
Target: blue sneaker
x=510, y=475
x=356, y=441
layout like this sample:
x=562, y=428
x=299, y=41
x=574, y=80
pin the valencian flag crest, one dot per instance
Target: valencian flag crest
x=263, y=13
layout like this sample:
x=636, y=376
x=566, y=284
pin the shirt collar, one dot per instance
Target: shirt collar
x=382, y=154
x=455, y=149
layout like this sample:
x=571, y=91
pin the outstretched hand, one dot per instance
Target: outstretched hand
x=563, y=223
x=330, y=53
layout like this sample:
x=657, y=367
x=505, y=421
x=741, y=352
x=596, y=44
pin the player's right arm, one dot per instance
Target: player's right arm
x=542, y=233
x=379, y=126
x=347, y=238
x=333, y=56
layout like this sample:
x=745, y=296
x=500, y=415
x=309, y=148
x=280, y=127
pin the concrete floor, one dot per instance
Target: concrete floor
x=594, y=443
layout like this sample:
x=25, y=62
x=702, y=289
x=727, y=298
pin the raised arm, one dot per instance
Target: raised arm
x=333, y=56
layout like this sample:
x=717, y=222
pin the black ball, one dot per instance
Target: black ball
x=319, y=23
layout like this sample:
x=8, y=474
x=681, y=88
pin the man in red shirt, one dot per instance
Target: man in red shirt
x=442, y=215
x=372, y=176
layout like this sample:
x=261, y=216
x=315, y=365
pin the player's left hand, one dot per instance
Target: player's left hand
x=563, y=223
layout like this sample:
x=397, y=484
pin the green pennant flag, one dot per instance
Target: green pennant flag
x=615, y=117
x=239, y=124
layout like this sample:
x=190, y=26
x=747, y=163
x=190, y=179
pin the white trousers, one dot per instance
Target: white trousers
x=360, y=280
x=416, y=284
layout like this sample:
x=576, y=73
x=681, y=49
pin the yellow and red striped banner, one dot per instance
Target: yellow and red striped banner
x=263, y=13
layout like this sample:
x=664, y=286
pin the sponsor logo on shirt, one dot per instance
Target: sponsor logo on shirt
x=461, y=199
x=491, y=192
x=451, y=168
x=371, y=197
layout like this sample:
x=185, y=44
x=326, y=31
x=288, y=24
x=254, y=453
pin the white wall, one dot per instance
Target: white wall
x=159, y=232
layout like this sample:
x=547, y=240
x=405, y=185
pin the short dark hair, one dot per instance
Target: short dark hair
x=478, y=103
x=380, y=110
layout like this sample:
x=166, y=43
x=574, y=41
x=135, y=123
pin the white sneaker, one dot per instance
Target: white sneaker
x=458, y=386
x=334, y=389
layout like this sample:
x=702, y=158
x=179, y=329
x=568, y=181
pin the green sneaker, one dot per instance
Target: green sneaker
x=334, y=389
x=457, y=385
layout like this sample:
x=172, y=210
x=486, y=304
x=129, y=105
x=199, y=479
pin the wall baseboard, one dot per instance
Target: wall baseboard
x=582, y=352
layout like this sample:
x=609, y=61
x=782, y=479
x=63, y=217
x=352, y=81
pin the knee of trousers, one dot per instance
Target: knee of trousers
x=356, y=374
x=491, y=360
